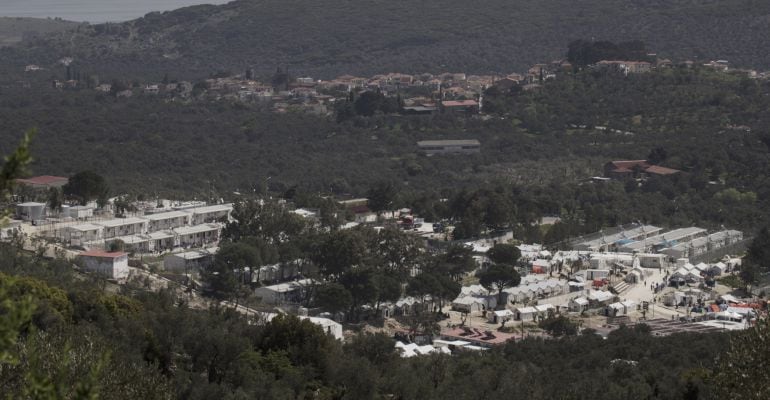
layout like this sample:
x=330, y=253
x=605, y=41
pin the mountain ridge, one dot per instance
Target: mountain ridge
x=326, y=38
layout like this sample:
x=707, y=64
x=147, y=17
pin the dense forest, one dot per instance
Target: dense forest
x=371, y=36
x=14, y=30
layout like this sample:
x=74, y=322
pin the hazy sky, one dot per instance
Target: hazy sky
x=92, y=10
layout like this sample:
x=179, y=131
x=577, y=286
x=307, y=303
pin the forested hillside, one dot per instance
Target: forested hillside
x=335, y=37
x=13, y=30
x=713, y=126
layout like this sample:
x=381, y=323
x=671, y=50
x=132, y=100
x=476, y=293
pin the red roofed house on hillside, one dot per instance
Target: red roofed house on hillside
x=113, y=265
x=462, y=106
x=43, y=182
x=658, y=170
x=635, y=169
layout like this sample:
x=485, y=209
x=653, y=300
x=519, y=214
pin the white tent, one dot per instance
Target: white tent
x=634, y=276
x=474, y=290
x=600, y=296
x=629, y=304
x=412, y=349
x=468, y=304
x=578, y=304
x=727, y=316
x=542, y=309
x=329, y=326
x=694, y=276
x=500, y=316
x=621, y=308
x=525, y=313
x=680, y=273
x=745, y=311
x=718, y=268
x=730, y=298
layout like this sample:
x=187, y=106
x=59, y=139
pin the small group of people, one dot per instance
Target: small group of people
x=656, y=287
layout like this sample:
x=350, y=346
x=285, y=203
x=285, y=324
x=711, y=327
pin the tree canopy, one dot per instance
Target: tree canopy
x=499, y=277
x=87, y=186
x=503, y=253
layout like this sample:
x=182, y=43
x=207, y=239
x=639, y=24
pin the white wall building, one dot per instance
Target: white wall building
x=198, y=235
x=213, y=213
x=282, y=293
x=30, y=211
x=79, y=212
x=162, y=240
x=113, y=265
x=167, y=220
x=189, y=261
x=123, y=227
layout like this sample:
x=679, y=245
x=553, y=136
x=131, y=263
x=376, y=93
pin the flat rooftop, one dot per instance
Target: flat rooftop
x=131, y=239
x=193, y=255
x=160, y=235
x=31, y=204
x=189, y=230
x=85, y=227
x=166, y=215
x=625, y=234
x=289, y=286
x=102, y=254
x=464, y=142
x=212, y=209
x=670, y=236
x=112, y=223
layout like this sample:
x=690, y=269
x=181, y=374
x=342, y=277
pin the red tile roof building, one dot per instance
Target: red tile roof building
x=112, y=265
x=634, y=169
x=43, y=182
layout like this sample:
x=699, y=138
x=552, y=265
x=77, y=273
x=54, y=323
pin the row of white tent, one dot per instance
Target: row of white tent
x=547, y=288
x=408, y=350
x=690, y=272
x=532, y=313
x=474, y=298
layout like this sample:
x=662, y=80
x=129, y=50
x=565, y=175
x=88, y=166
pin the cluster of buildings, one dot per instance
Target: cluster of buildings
x=449, y=92
x=155, y=227
x=689, y=242
x=182, y=226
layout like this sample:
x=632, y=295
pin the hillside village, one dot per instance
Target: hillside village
x=424, y=93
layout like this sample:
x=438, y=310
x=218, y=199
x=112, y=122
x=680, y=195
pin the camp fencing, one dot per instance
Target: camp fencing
x=608, y=231
x=717, y=254
x=561, y=299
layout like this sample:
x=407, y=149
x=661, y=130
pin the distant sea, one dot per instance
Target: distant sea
x=93, y=11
